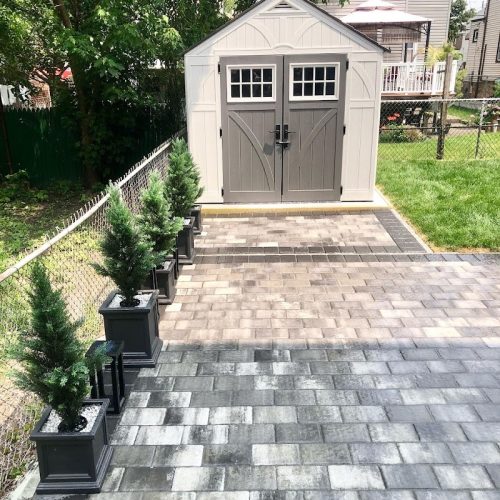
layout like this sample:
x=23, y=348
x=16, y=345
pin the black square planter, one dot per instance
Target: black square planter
x=137, y=327
x=198, y=222
x=73, y=462
x=185, y=242
x=165, y=282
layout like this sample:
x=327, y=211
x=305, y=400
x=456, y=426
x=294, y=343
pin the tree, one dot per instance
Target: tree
x=51, y=355
x=128, y=254
x=110, y=46
x=460, y=15
x=156, y=219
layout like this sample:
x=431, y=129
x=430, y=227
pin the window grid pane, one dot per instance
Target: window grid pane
x=313, y=81
x=251, y=83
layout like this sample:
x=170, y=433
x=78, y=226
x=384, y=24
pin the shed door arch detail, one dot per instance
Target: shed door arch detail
x=282, y=127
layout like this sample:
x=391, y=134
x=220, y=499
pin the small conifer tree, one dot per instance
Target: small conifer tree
x=128, y=254
x=52, y=357
x=156, y=219
x=182, y=187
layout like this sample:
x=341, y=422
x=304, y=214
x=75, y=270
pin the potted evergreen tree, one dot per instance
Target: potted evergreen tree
x=129, y=316
x=71, y=436
x=161, y=228
x=181, y=191
x=194, y=173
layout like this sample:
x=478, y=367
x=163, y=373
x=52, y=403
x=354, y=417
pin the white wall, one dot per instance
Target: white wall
x=301, y=30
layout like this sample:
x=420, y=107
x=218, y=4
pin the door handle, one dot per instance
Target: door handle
x=277, y=133
x=286, y=132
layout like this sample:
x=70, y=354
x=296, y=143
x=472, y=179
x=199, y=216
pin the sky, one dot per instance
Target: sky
x=476, y=4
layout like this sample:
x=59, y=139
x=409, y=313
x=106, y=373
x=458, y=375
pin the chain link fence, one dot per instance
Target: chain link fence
x=451, y=129
x=68, y=255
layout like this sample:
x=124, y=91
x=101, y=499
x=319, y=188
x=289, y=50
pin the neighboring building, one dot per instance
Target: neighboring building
x=483, y=55
x=437, y=11
x=408, y=28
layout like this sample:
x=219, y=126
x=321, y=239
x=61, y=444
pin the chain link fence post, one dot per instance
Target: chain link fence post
x=478, y=140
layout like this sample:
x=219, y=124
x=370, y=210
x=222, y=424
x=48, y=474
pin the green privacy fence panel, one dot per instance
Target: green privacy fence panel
x=44, y=143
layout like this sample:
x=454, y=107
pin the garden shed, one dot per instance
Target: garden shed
x=283, y=104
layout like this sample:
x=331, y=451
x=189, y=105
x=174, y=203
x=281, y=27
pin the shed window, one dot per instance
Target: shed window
x=498, y=50
x=309, y=82
x=475, y=35
x=251, y=83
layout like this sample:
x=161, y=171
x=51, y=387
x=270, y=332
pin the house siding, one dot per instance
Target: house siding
x=437, y=11
x=491, y=69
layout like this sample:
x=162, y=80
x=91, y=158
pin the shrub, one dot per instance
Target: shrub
x=401, y=133
x=496, y=89
x=156, y=219
x=182, y=185
x=53, y=363
x=128, y=254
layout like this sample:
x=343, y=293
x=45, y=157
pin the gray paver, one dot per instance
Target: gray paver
x=460, y=477
x=409, y=476
x=305, y=477
x=350, y=477
x=375, y=453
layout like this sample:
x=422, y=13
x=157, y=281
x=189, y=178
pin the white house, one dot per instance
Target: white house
x=283, y=104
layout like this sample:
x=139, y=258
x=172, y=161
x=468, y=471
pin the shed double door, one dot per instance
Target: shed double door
x=282, y=127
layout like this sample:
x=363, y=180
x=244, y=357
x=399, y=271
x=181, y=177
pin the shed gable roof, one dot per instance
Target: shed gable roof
x=280, y=6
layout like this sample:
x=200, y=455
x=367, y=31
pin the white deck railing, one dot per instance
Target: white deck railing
x=416, y=78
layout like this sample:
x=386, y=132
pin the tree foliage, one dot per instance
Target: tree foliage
x=460, y=15
x=52, y=357
x=156, y=219
x=128, y=254
x=110, y=46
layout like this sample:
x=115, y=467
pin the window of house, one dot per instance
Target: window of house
x=498, y=51
x=411, y=51
x=309, y=82
x=475, y=35
x=251, y=83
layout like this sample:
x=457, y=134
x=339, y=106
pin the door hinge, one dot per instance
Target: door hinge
x=346, y=65
x=344, y=129
x=218, y=68
x=222, y=192
x=220, y=132
x=341, y=190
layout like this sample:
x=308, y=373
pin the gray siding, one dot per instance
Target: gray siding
x=438, y=11
x=491, y=70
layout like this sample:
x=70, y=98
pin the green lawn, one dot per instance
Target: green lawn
x=458, y=146
x=462, y=113
x=453, y=204
x=26, y=215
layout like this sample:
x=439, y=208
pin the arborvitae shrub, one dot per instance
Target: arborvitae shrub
x=182, y=187
x=156, y=219
x=52, y=358
x=128, y=253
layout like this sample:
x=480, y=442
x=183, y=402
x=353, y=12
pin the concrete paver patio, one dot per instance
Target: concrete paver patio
x=334, y=378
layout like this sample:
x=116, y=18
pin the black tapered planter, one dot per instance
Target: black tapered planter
x=185, y=242
x=150, y=281
x=137, y=327
x=198, y=222
x=73, y=462
x=165, y=282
